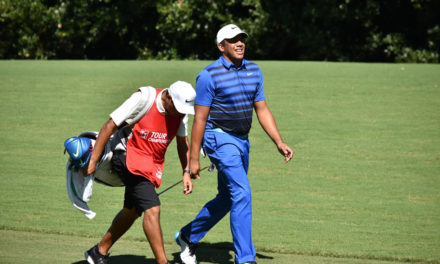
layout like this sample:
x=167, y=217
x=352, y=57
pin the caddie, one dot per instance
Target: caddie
x=145, y=124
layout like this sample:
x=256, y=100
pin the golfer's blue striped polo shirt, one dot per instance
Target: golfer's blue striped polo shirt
x=230, y=93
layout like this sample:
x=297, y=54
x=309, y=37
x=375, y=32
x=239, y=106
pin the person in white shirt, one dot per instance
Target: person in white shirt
x=145, y=124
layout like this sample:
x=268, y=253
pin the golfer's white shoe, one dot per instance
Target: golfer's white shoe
x=188, y=249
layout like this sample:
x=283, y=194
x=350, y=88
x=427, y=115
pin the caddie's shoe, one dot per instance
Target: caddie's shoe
x=188, y=249
x=252, y=262
x=94, y=257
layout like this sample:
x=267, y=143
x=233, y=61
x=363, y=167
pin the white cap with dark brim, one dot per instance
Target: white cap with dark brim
x=183, y=95
x=229, y=32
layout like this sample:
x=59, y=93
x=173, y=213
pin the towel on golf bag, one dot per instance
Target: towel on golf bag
x=79, y=190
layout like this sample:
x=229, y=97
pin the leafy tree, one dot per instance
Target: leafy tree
x=345, y=30
x=27, y=29
x=188, y=28
x=107, y=29
x=336, y=30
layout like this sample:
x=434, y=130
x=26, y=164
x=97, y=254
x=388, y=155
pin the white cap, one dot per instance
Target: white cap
x=228, y=32
x=183, y=96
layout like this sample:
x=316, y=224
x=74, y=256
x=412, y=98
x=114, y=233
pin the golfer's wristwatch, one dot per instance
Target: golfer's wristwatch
x=187, y=171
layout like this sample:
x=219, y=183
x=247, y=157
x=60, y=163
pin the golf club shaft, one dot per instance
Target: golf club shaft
x=169, y=187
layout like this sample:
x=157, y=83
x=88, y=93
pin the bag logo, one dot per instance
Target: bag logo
x=77, y=151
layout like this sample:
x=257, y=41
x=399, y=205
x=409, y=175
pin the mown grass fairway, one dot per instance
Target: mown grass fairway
x=363, y=186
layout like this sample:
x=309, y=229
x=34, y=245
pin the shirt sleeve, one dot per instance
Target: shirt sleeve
x=259, y=96
x=127, y=110
x=204, y=89
x=182, y=131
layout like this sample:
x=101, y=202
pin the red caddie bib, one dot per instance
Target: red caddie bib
x=149, y=141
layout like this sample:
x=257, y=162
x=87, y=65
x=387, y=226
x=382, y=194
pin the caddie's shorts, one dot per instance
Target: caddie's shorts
x=140, y=193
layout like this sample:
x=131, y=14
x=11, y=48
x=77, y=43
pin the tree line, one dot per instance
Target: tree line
x=333, y=30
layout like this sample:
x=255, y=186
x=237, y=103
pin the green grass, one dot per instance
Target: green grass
x=363, y=186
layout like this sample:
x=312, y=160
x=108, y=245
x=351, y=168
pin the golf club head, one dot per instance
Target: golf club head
x=210, y=167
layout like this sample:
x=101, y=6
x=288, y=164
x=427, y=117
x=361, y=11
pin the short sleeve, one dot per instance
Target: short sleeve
x=259, y=96
x=204, y=89
x=127, y=110
x=135, y=107
x=182, y=131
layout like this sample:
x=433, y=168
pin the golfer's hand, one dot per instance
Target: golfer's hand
x=286, y=151
x=194, y=167
x=187, y=183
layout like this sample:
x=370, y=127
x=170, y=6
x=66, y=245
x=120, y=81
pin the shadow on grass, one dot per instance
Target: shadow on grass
x=132, y=259
x=218, y=253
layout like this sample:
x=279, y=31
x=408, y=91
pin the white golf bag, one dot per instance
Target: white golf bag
x=79, y=186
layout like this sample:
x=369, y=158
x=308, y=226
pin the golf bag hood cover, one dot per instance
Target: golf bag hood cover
x=79, y=149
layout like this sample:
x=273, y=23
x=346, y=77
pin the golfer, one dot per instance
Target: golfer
x=153, y=117
x=228, y=90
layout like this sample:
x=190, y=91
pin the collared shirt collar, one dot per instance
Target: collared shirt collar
x=228, y=64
